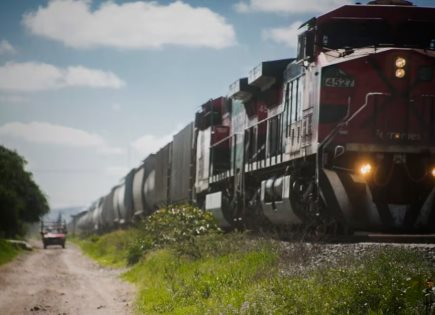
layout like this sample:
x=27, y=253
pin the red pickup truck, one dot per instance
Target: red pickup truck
x=53, y=233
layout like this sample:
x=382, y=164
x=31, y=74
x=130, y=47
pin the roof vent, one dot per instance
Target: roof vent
x=391, y=2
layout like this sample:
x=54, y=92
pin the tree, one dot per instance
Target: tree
x=21, y=199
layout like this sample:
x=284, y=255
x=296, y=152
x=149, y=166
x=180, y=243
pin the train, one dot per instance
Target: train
x=337, y=139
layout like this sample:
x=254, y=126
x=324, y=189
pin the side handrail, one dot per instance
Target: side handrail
x=347, y=119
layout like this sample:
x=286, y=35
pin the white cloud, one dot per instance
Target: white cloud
x=284, y=35
x=32, y=76
x=81, y=76
x=6, y=47
x=289, y=6
x=46, y=133
x=242, y=7
x=148, y=144
x=133, y=25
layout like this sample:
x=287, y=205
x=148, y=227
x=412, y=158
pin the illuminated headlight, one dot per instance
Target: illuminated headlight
x=365, y=169
x=432, y=171
x=400, y=73
x=400, y=62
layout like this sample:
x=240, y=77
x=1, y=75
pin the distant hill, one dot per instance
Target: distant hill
x=64, y=212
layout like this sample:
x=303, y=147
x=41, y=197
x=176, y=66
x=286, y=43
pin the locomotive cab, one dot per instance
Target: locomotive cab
x=376, y=114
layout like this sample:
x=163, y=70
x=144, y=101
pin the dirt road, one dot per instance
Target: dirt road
x=60, y=281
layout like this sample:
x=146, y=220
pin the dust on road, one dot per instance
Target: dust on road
x=60, y=281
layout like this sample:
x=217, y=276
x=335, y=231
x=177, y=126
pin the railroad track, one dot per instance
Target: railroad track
x=361, y=237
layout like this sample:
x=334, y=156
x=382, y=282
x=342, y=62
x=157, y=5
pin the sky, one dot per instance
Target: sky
x=89, y=88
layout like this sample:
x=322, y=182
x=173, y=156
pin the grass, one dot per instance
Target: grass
x=235, y=274
x=247, y=281
x=173, y=284
x=7, y=252
x=109, y=250
x=184, y=272
x=381, y=282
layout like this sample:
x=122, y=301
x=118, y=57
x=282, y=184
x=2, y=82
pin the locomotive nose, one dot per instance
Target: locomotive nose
x=405, y=116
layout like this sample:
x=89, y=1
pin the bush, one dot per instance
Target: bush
x=176, y=227
x=135, y=253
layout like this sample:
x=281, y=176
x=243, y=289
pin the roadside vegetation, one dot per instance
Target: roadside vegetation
x=183, y=264
x=21, y=200
x=109, y=250
x=7, y=252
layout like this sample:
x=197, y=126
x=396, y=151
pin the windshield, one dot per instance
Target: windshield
x=419, y=34
x=357, y=33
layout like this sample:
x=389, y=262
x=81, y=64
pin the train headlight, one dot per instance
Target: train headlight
x=400, y=73
x=365, y=169
x=400, y=62
x=400, y=67
x=432, y=172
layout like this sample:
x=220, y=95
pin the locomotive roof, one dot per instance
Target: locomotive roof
x=378, y=11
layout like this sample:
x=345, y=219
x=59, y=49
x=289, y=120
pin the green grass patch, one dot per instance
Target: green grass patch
x=186, y=266
x=109, y=250
x=7, y=252
x=241, y=276
x=388, y=281
x=223, y=276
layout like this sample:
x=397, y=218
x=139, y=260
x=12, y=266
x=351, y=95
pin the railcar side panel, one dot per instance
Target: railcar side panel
x=181, y=166
x=162, y=176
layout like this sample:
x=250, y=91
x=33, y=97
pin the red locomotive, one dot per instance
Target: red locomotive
x=343, y=136
x=340, y=138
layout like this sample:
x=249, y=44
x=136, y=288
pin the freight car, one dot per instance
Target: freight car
x=339, y=138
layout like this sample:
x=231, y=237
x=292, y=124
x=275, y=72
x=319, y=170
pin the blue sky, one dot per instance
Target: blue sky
x=89, y=88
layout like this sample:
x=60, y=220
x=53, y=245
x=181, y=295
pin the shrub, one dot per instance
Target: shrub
x=177, y=227
x=135, y=253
